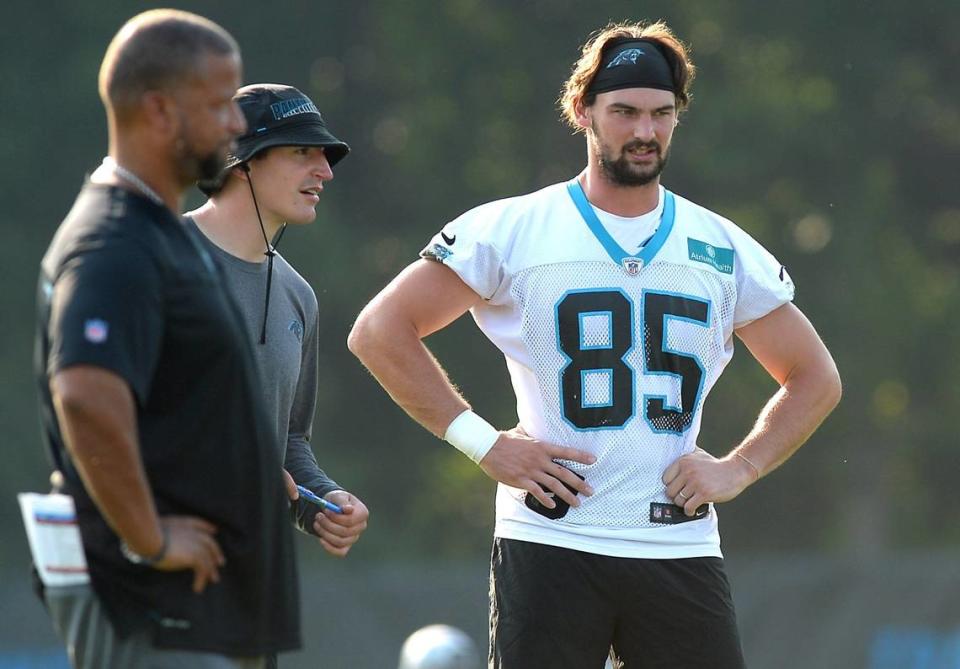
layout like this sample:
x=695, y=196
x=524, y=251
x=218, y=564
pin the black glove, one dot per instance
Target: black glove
x=302, y=513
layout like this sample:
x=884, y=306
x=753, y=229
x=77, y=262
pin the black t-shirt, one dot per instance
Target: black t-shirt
x=126, y=287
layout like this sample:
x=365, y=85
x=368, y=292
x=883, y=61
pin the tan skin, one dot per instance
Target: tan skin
x=644, y=115
x=199, y=114
x=337, y=532
x=788, y=347
x=97, y=415
x=95, y=407
x=288, y=181
x=425, y=298
x=428, y=296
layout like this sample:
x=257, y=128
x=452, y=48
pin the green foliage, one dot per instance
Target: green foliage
x=829, y=131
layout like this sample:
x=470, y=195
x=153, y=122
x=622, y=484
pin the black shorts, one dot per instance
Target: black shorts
x=558, y=608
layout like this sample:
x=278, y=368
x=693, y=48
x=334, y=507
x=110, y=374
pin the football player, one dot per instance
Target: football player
x=615, y=302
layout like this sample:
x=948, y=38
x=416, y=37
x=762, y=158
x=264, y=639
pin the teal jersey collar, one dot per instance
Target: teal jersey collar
x=630, y=262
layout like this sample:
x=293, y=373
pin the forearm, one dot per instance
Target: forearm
x=790, y=417
x=299, y=460
x=387, y=337
x=409, y=373
x=99, y=429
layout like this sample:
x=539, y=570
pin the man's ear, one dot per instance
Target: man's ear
x=160, y=112
x=582, y=113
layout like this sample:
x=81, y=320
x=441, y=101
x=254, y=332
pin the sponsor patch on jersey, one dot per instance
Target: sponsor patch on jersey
x=717, y=257
x=96, y=330
x=671, y=514
x=437, y=252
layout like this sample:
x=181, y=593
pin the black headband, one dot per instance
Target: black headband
x=632, y=63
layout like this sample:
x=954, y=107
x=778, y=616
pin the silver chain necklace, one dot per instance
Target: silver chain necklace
x=133, y=180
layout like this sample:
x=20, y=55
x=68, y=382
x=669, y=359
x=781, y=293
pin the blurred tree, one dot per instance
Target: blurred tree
x=829, y=131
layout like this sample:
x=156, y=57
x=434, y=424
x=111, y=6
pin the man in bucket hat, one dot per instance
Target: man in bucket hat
x=147, y=385
x=275, y=177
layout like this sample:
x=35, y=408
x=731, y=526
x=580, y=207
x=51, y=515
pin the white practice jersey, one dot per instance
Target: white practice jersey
x=611, y=352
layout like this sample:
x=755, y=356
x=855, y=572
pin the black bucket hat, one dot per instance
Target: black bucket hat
x=279, y=115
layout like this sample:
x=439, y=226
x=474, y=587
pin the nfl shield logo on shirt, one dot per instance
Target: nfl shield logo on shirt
x=95, y=330
x=632, y=265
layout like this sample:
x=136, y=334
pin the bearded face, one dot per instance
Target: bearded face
x=635, y=163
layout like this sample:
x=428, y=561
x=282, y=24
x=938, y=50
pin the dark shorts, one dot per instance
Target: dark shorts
x=556, y=608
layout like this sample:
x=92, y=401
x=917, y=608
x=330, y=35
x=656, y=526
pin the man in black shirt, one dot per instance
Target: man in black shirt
x=147, y=383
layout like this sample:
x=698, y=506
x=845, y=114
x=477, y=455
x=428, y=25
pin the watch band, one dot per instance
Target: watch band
x=145, y=560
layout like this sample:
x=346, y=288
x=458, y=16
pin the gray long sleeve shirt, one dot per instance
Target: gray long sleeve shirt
x=287, y=360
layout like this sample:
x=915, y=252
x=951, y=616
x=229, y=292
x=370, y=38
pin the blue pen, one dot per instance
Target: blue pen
x=319, y=501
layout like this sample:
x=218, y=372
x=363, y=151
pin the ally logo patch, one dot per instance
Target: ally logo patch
x=719, y=258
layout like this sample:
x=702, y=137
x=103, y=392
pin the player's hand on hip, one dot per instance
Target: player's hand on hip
x=338, y=532
x=521, y=461
x=697, y=478
x=191, y=545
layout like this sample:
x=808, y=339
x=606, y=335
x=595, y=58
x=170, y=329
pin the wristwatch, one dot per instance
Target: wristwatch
x=145, y=560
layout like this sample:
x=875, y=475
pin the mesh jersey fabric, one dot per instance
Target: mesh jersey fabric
x=612, y=360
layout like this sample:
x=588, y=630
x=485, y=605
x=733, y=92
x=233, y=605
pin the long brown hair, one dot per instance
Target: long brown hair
x=575, y=88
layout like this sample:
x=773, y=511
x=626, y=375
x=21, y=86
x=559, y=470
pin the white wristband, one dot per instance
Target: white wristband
x=471, y=435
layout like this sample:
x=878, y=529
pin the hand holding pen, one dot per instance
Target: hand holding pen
x=319, y=501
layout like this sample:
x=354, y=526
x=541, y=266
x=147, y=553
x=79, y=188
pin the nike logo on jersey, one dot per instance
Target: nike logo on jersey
x=448, y=240
x=671, y=514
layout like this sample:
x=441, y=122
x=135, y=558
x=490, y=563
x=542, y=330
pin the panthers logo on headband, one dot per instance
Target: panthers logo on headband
x=630, y=56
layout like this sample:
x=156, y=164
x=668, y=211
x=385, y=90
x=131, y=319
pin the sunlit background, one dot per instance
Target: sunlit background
x=830, y=131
